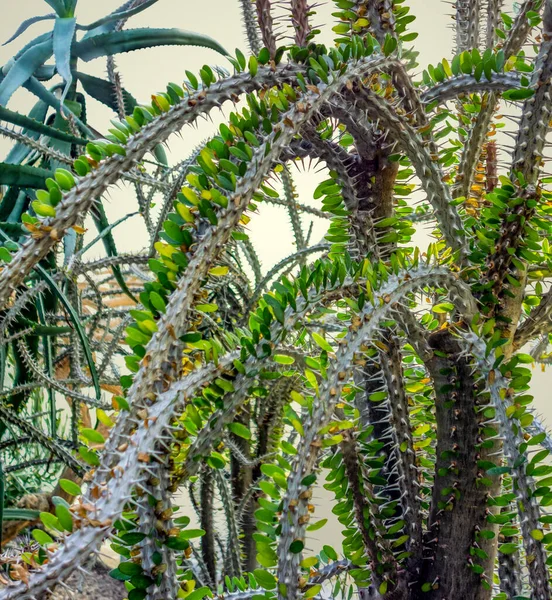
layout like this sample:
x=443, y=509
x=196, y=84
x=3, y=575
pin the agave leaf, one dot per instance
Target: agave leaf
x=45, y=72
x=33, y=123
x=70, y=6
x=58, y=6
x=9, y=201
x=24, y=68
x=37, y=40
x=114, y=17
x=20, y=514
x=116, y=42
x=64, y=34
x=23, y=175
x=27, y=23
x=35, y=87
x=20, y=151
x=33, y=126
x=102, y=91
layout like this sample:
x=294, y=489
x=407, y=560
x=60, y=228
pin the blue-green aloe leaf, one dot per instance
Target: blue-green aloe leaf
x=115, y=16
x=27, y=23
x=35, y=87
x=23, y=176
x=129, y=40
x=23, y=68
x=37, y=40
x=37, y=116
x=64, y=34
x=34, y=127
x=58, y=6
x=21, y=514
x=103, y=91
x=70, y=6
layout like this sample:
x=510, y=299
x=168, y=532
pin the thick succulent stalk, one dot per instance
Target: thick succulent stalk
x=403, y=449
x=300, y=19
x=363, y=501
x=251, y=26
x=458, y=510
x=266, y=25
x=290, y=195
x=206, y=507
x=468, y=14
x=380, y=15
x=428, y=171
x=494, y=8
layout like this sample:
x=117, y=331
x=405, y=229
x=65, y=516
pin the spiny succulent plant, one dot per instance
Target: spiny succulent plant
x=396, y=375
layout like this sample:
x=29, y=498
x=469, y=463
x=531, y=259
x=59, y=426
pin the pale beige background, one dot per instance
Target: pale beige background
x=149, y=71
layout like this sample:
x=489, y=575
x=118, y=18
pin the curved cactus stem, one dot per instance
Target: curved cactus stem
x=309, y=210
x=37, y=436
x=54, y=384
x=289, y=260
x=521, y=28
x=164, y=348
x=450, y=89
x=78, y=200
x=455, y=486
x=170, y=195
x=537, y=427
x=305, y=461
x=473, y=146
x=376, y=547
x=113, y=494
x=526, y=167
x=233, y=540
x=266, y=25
x=403, y=450
x=252, y=258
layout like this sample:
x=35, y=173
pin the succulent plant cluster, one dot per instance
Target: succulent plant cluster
x=398, y=378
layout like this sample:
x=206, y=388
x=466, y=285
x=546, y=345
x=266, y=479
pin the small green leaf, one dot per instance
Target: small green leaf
x=240, y=430
x=93, y=436
x=320, y=341
x=42, y=537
